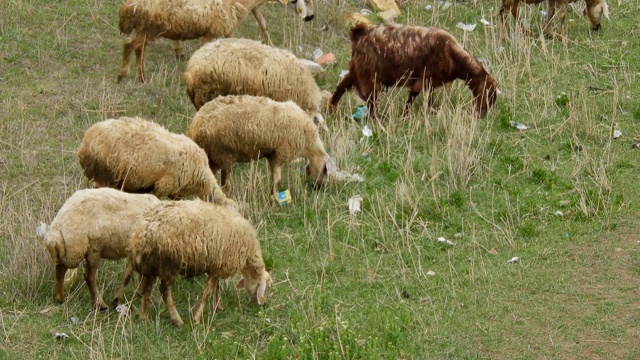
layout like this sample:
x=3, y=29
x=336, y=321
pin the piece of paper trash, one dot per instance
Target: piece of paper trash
x=74, y=320
x=122, y=309
x=366, y=131
x=444, y=5
x=345, y=176
x=326, y=59
x=544, y=13
x=485, y=22
x=431, y=273
x=559, y=213
x=42, y=229
x=617, y=134
x=428, y=7
x=355, y=204
x=443, y=240
x=317, y=53
x=513, y=260
x=519, y=126
x=466, y=27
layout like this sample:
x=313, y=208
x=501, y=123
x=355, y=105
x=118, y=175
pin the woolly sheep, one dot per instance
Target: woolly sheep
x=247, y=67
x=93, y=224
x=594, y=11
x=184, y=20
x=246, y=128
x=192, y=238
x=139, y=156
x=415, y=57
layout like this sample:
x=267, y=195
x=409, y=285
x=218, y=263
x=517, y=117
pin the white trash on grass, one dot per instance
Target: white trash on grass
x=485, y=22
x=466, y=27
x=443, y=240
x=340, y=175
x=519, y=126
x=355, y=204
x=617, y=134
x=366, y=131
x=42, y=229
x=514, y=259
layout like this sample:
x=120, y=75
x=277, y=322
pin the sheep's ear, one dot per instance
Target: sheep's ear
x=240, y=284
x=260, y=293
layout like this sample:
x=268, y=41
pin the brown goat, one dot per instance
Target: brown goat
x=594, y=11
x=415, y=57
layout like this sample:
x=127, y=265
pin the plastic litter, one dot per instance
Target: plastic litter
x=443, y=240
x=431, y=273
x=74, y=320
x=617, y=134
x=514, y=259
x=365, y=12
x=466, y=27
x=326, y=59
x=58, y=335
x=444, y=5
x=334, y=173
x=361, y=113
x=519, y=126
x=42, y=229
x=284, y=197
x=485, y=22
x=366, y=131
x=559, y=213
x=355, y=204
x=317, y=53
x=428, y=7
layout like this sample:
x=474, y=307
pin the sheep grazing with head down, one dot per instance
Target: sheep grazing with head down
x=246, y=128
x=185, y=20
x=140, y=156
x=191, y=238
x=594, y=11
x=93, y=224
x=415, y=57
x=247, y=67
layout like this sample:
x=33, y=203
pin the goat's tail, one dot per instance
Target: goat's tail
x=128, y=19
x=358, y=31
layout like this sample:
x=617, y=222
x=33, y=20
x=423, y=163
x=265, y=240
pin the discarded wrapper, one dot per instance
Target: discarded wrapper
x=519, y=126
x=361, y=112
x=366, y=131
x=58, y=335
x=559, y=213
x=74, y=320
x=443, y=240
x=355, y=204
x=466, y=27
x=317, y=53
x=513, y=260
x=122, y=309
x=284, y=197
x=444, y=5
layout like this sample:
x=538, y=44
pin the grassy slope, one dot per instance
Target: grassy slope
x=355, y=287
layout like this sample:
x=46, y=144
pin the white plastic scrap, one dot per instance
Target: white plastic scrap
x=332, y=171
x=485, y=22
x=428, y=7
x=366, y=131
x=74, y=320
x=559, y=213
x=444, y=5
x=355, y=204
x=519, y=126
x=317, y=53
x=513, y=260
x=42, y=229
x=431, y=273
x=617, y=134
x=443, y=240
x=466, y=27
x=366, y=12
x=122, y=309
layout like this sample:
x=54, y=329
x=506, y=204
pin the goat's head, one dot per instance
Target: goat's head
x=304, y=8
x=595, y=10
x=485, y=91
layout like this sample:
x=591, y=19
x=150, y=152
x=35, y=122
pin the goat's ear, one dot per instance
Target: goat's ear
x=261, y=290
x=240, y=284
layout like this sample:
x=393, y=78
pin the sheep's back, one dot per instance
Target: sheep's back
x=247, y=67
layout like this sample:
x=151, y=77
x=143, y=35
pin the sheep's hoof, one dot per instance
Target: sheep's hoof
x=179, y=322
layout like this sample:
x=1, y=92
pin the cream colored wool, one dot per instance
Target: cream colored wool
x=93, y=224
x=136, y=155
x=193, y=238
x=246, y=128
x=247, y=67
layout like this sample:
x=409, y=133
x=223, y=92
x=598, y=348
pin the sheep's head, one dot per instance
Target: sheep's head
x=258, y=289
x=317, y=170
x=595, y=10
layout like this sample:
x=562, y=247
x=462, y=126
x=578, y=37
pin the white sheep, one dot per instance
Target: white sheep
x=246, y=128
x=184, y=20
x=191, y=238
x=136, y=155
x=93, y=224
x=247, y=67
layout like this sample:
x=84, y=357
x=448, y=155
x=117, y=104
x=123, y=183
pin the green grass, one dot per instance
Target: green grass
x=354, y=286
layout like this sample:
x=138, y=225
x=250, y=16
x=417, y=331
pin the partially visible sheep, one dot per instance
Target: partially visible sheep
x=139, y=156
x=183, y=20
x=415, y=57
x=594, y=11
x=192, y=238
x=246, y=128
x=93, y=224
x=247, y=67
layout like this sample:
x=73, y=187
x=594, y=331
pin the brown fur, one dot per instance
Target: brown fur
x=415, y=57
x=594, y=11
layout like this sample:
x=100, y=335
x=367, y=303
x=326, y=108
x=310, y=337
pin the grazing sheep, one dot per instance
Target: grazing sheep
x=183, y=20
x=247, y=67
x=245, y=128
x=415, y=57
x=93, y=224
x=139, y=156
x=594, y=11
x=192, y=238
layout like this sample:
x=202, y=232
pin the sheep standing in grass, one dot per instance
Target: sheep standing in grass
x=140, y=156
x=414, y=57
x=594, y=11
x=183, y=20
x=246, y=128
x=93, y=224
x=191, y=238
x=247, y=67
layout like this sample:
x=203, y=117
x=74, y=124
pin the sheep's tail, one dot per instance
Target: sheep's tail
x=128, y=19
x=358, y=31
x=54, y=243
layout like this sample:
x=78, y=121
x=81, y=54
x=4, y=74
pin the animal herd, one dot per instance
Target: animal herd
x=253, y=101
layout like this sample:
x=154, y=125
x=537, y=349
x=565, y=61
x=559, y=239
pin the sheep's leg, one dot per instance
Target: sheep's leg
x=345, y=84
x=90, y=279
x=165, y=289
x=211, y=285
x=216, y=296
x=127, y=49
x=128, y=272
x=263, y=25
x=140, y=62
x=58, y=294
x=145, y=288
x=225, y=171
x=177, y=49
x=276, y=176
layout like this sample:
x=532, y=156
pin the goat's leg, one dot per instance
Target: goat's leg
x=414, y=91
x=58, y=293
x=257, y=13
x=146, y=285
x=345, y=84
x=211, y=284
x=90, y=278
x=165, y=289
x=128, y=273
x=551, y=11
